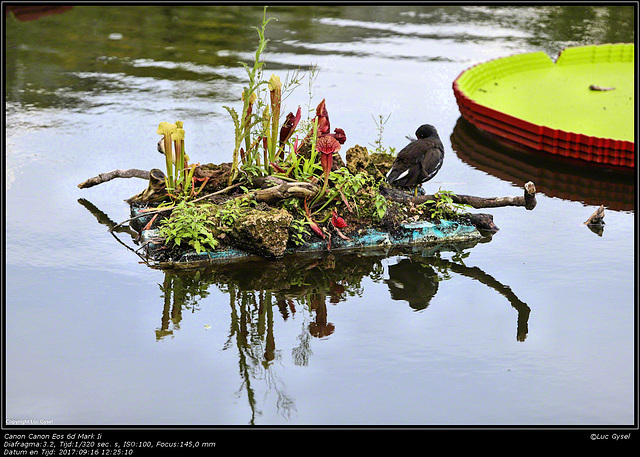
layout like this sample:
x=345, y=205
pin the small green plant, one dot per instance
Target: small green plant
x=443, y=207
x=297, y=231
x=357, y=194
x=381, y=206
x=190, y=223
x=377, y=144
x=345, y=187
x=227, y=213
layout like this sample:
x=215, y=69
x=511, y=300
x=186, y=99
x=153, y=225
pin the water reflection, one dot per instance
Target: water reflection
x=259, y=291
x=315, y=278
x=31, y=13
x=554, y=176
x=414, y=282
x=415, y=279
x=109, y=49
x=304, y=284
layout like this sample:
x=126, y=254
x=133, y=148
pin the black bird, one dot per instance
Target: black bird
x=419, y=161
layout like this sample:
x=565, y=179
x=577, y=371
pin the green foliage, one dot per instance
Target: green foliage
x=348, y=183
x=297, y=232
x=243, y=124
x=257, y=146
x=361, y=189
x=357, y=194
x=189, y=223
x=380, y=205
x=310, y=166
x=443, y=206
x=227, y=213
x=292, y=205
x=345, y=188
x=201, y=225
x=298, y=227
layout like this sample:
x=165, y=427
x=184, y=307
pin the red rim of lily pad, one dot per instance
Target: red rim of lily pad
x=605, y=151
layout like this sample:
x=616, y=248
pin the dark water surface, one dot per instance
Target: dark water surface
x=532, y=327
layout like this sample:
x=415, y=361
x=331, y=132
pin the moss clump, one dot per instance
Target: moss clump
x=376, y=165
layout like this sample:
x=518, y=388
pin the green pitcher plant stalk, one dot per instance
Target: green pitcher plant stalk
x=179, y=172
x=178, y=142
x=266, y=137
x=166, y=130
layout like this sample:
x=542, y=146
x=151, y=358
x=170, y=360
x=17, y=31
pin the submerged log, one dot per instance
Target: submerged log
x=596, y=221
x=104, y=177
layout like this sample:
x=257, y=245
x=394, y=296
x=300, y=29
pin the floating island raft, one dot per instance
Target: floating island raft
x=582, y=106
x=260, y=223
x=409, y=234
x=264, y=227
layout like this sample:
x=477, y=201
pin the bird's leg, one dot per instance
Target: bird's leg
x=415, y=192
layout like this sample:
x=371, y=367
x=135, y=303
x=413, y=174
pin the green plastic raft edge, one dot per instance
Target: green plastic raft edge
x=411, y=234
x=557, y=95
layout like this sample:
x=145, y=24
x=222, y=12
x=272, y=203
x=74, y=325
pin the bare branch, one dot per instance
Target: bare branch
x=528, y=200
x=104, y=177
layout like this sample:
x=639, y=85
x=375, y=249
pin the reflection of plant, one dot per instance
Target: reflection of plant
x=179, y=292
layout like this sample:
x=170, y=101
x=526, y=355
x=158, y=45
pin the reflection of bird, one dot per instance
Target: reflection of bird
x=419, y=161
x=413, y=282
